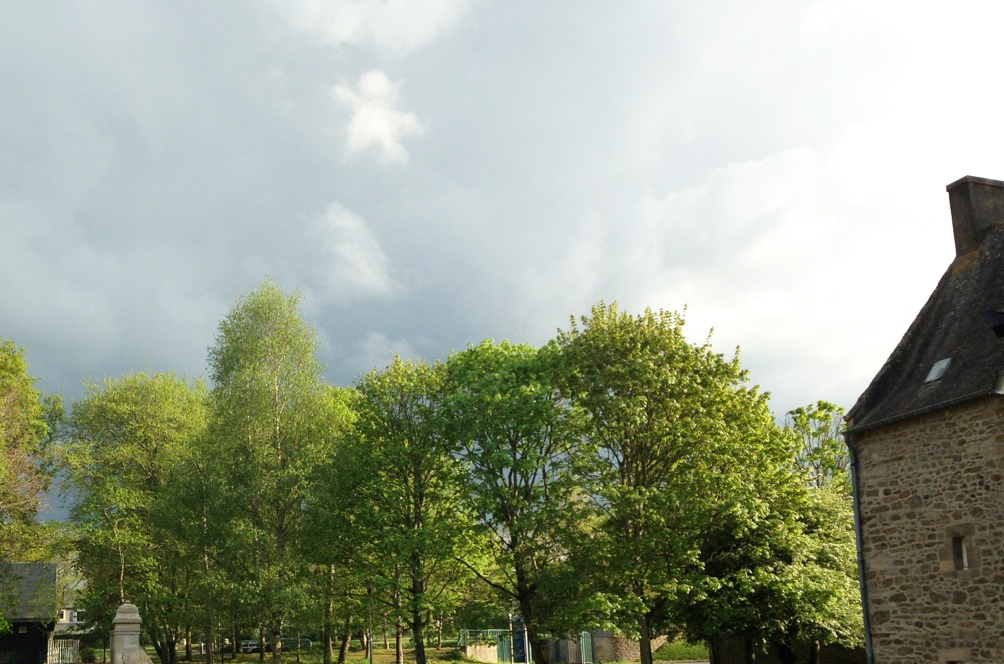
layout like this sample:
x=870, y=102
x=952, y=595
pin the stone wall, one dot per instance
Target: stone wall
x=481, y=652
x=733, y=651
x=932, y=503
x=610, y=648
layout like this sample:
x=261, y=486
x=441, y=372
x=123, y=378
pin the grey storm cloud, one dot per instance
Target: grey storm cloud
x=433, y=173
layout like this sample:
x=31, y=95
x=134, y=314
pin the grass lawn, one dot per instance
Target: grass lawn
x=669, y=652
x=680, y=651
x=314, y=656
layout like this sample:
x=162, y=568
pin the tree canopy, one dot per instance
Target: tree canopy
x=620, y=476
x=519, y=445
x=674, y=428
x=127, y=441
x=273, y=421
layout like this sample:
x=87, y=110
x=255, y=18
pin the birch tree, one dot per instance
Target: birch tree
x=272, y=421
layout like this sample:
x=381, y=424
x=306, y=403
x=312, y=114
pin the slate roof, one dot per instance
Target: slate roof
x=28, y=591
x=953, y=324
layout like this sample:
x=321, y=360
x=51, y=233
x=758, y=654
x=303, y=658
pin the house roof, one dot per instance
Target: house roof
x=28, y=591
x=957, y=325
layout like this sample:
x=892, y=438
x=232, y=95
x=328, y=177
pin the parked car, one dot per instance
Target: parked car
x=250, y=646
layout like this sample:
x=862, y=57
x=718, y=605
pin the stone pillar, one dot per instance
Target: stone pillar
x=125, y=647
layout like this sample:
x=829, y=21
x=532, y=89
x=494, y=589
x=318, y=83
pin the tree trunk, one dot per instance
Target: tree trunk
x=188, y=645
x=210, y=637
x=525, y=595
x=386, y=637
x=536, y=646
x=329, y=611
x=162, y=652
x=236, y=636
x=748, y=649
x=417, y=565
x=399, y=641
x=276, y=645
x=814, y=653
x=261, y=643
x=417, y=614
x=645, y=640
x=327, y=643
x=343, y=650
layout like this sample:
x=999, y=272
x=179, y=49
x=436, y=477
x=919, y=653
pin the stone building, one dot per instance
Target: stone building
x=927, y=443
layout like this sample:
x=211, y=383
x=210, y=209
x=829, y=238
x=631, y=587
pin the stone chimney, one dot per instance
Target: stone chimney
x=977, y=205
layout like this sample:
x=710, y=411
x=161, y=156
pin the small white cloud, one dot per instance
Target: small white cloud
x=353, y=264
x=394, y=25
x=375, y=122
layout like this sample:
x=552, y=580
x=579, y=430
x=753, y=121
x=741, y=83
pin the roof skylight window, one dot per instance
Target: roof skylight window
x=938, y=370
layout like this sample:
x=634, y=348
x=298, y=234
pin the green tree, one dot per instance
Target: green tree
x=24, y=428
x=517, y=441
x=198, y=517
x=778, y=569
x=413, y=523
x=674, y=426
x=329, y=541
x=127, y=438
x=778, y=564
x=822, y=453
x=346, y=543
x=272, y=421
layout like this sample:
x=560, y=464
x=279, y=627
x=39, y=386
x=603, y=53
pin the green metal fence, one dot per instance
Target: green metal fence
x=560, y=651
x=586, y=644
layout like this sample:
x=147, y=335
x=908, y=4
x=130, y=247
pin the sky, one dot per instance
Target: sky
x=432, y=173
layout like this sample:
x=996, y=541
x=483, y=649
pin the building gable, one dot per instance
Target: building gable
x=952, y=352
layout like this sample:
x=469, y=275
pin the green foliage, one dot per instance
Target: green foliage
x=785, y=575
x=274, y=423
x=329, y=539
x=518, y=444
x=24, y=428
x=619, y=477
x=412, y=524
x=822, y=453
x=675, y=428
x=126, y=440
x=779, y=562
